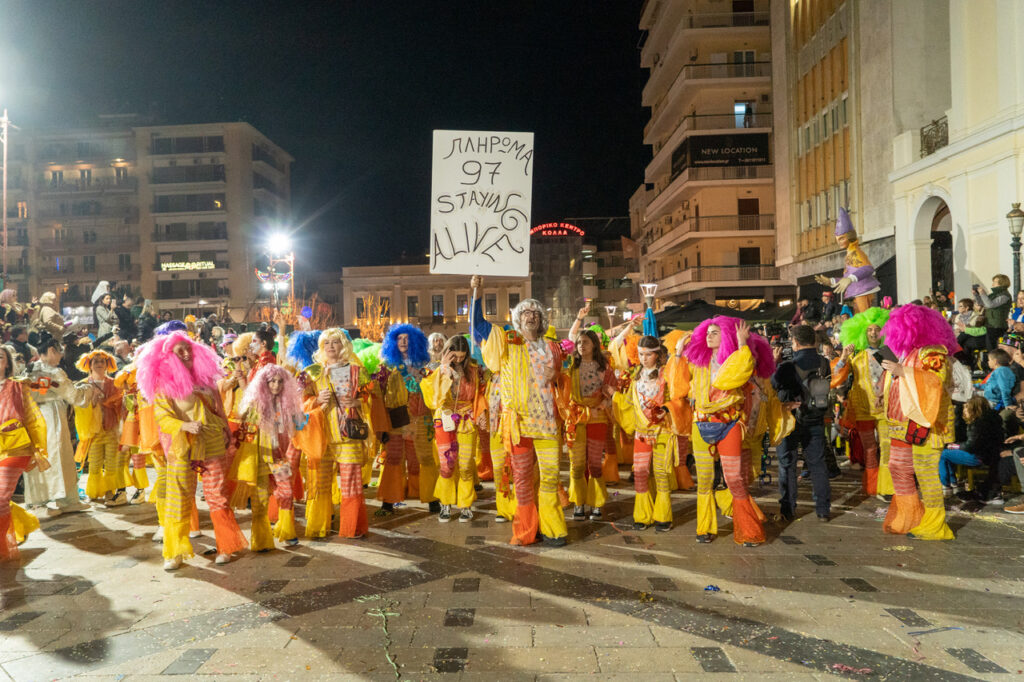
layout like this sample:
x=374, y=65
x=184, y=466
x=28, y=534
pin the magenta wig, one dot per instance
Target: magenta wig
x=914, y=326
x=698, y=353
x=288, y=403
x=161, y=372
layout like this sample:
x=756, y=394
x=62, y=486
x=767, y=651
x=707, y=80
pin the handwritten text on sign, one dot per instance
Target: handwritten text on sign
x=481, y=190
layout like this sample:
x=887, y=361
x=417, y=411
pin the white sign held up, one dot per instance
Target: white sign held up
x=481, y=189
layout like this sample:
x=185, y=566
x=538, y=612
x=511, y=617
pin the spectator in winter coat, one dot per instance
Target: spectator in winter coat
x=1001, y=384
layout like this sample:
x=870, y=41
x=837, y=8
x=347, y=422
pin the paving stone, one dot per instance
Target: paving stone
x=466, y=585
x=713, y=660
x=663, y=584
x=189, y=662
x=909, y=617
x=860, y=585
x=459, y=618
x=17, y=620
x=975, y=661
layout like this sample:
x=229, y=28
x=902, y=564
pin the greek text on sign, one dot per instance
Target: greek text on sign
x=481, y=189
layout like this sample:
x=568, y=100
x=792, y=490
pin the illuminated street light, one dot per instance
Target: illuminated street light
x=610, y=309
x=279, y=244
x=648, y=290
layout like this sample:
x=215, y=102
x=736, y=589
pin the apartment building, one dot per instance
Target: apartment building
x=176, y=214
x=705, y=217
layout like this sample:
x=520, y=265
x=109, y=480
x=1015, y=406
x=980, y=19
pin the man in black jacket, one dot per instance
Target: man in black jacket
x=125, y=319
x=798, y=383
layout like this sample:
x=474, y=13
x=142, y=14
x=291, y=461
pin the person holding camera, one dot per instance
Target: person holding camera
x=803, y=385
x=996, y=303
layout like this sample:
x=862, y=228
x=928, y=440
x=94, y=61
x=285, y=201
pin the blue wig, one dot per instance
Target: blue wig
x=169, y=327
x=301, y=347
x=418, y=354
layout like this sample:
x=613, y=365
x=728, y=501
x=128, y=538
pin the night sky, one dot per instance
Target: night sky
x=353, y=90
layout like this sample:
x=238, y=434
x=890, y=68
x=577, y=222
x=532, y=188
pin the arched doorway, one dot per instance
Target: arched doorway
x=942, y=249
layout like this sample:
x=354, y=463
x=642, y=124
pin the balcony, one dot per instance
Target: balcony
x=589, y=268
x=934, y=136
x=726, y=19
x=676, y=232
x=693, y=279
x=126, y=215
x=119, y=243
x=190, y=235
x=668, y=189
x=698, y=72
x=716, y=122
x=48, y=186
x=19, y=269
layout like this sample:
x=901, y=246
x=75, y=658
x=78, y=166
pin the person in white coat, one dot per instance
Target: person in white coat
x=57, y=487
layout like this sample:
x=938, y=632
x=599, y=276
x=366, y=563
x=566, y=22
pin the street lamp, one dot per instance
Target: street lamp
x=610, y=309
x=278, y=249
x=648, y=289
x=1016, y=219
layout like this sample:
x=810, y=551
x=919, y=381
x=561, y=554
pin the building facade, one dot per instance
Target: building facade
x=434, y=303
x=174, y=214
x=956, y=174
x=856, y=75
x=705, y=217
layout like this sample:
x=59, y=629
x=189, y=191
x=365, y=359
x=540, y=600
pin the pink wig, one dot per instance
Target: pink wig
x=288, y=403
x=699, y=354
x=161, y=372
x=914, y=326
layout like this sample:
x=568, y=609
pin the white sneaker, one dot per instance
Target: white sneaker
x=466, y=515
x=173, y=564
x=158, y=536
x=446, y=513
x=500, y=519
x=195, y=533
x=75, y=507
x=138, y=497
x=222, y=559
x=53, y=511
x=120, y=498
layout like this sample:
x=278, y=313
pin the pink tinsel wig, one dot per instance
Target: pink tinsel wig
x=699, y=354
x=288, y=402
x=161, y=372
x=914, y=326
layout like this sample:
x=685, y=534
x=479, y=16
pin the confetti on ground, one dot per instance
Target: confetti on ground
x=712, y=588
x=898, y=548
x=847, y=669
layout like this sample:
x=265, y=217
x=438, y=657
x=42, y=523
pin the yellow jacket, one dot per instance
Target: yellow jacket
x=16, y=403
x=203, y=407
x=437, y=395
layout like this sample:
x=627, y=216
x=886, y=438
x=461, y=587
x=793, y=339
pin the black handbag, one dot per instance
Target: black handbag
x=354, y=427
x=399, y=416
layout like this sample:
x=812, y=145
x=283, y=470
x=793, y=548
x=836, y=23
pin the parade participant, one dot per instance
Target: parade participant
x=179, y=376
x=858, y=285
x=271, y=412
x=920, y=416
x=860, y=367
x=456, y=392
x=501, y=464
x=585, y=408
x=682, y=419
x=408, y=449
x=530, y=368
x=262, y=348
x=130, y=441
x=720, y=365
x=57, y=487
x=645, y=409
x=435, y=346
x=22, y=445
x=343, y=401
x=97, y=421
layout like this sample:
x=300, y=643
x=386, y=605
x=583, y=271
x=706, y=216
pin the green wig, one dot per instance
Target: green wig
x=855, y=330
x=361, y=344
x=601, y=334
x=370, y=357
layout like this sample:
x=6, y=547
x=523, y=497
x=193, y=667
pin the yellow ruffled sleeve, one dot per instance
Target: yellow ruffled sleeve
x=618, y=356
x=624, y=411
x=735, y=371
x=34, y=422
x=781, y=421
x=494, y=348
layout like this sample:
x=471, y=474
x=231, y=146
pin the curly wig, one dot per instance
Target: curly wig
x=348, y=354
x=601, y=333
x=698, y=353
x=418, y=354
x=529, y=304
x=241, y=345
x=84, y=363
x=161, y=372
x=301, y=346
x=855, y=330
x=369, y=358
x=914, y=326
x=288, y=403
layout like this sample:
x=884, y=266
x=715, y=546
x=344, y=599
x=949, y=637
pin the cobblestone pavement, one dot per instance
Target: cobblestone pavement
x=419, y=600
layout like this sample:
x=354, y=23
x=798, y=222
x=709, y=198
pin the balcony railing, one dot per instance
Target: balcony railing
x=727, y=19
x=934, y=136
x=127, y=214
x=702, y=173
x=670, y=233
x=716, y=122
x=82, y=186
x=129, y=241
x=705, y=71
x=189, y=235
x=734, y=273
